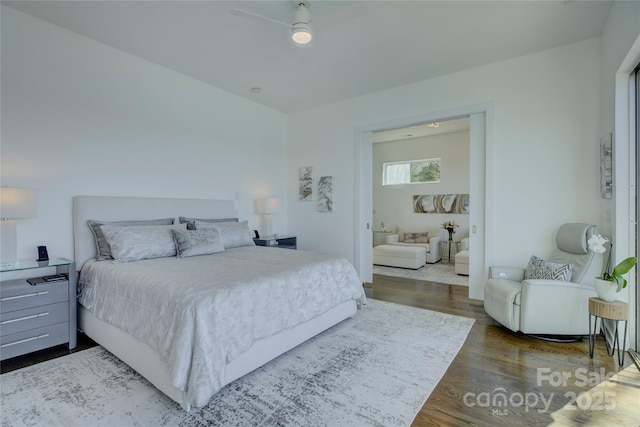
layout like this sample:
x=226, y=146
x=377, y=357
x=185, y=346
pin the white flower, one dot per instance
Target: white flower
x=596, y=244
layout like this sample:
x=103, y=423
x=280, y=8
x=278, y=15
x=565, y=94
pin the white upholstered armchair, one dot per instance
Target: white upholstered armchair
x=546, y=306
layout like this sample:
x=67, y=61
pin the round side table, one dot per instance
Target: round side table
x=445, y=247
x=617, y=311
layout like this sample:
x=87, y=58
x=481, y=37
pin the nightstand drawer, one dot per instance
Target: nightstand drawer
x=33, y=340
x=32, y=318
x=21, y=297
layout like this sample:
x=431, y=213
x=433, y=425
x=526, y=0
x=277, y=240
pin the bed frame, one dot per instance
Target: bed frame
x=138, y=355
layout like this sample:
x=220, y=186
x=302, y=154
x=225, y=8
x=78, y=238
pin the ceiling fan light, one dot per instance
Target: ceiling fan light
x=301, y=33
x=300, y=29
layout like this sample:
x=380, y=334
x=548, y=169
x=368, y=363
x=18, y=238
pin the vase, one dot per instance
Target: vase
x=606, y=290
x=451, y=235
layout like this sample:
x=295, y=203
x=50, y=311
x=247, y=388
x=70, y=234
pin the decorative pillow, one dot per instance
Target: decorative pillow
x=416, y=237
x=197, y=242
x=401, y=231
x=191, y=222
x=233, y=234
x=133, y=243
x=541, y=269
x=102, y=247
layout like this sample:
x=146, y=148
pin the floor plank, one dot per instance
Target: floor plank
x=495, y=361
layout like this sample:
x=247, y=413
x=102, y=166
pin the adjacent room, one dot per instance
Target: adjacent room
x=421, y=185
x=325, y=212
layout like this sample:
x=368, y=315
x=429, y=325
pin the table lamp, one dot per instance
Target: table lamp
x=15, y=203
x=267, y=207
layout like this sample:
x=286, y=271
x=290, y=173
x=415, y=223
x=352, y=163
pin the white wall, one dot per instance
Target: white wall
x=393, y=203
x=544, y=138
x=81, y=118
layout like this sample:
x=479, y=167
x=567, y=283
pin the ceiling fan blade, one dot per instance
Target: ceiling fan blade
x=246, y=13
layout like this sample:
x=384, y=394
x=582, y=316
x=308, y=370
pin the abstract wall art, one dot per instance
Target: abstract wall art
x=325, y=194
x=441, y=203
x=305, y=183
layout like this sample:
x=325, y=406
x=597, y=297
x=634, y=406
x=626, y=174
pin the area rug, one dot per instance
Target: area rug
x=376, y=369
x=439, y=272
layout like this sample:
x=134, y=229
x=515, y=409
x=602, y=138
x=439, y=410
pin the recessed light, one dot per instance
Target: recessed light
x=256, y=90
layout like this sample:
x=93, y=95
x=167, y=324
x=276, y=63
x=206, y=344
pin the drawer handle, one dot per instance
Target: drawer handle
x=33, y=316
x=35, y=294
x=9, y=344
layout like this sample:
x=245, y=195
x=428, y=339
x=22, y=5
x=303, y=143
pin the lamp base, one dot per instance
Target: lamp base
x=8, y=240
x=266, y=226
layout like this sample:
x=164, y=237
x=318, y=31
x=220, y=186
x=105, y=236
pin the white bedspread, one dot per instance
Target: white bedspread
x=201, y=312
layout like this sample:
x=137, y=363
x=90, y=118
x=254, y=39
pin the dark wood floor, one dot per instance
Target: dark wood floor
x=493, y=361
x=9, y=365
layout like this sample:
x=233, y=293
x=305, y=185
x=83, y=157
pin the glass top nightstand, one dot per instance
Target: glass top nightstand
x=28, y=264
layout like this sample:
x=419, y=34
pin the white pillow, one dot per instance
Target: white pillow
x=541, y=269
x=402, y=230
x=197, y=242
x=132, y=243
x=233, y=234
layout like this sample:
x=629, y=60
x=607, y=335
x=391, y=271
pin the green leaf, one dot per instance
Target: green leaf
x=624, y=266
x=621, y=281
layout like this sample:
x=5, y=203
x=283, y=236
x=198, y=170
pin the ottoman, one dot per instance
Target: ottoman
x=462, y=263
x=399, y=256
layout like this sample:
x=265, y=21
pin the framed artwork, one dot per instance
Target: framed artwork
x=325, y=194
x=441, y=203
x=606, y=166
x=305, y=183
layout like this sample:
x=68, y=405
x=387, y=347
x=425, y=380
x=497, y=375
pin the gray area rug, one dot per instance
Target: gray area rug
x=440, y=272
x=376, y=369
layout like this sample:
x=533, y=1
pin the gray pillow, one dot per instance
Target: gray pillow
x=422, y=237
x=541, y=269
x=233, y=234
x=197, y=242
x=136, y=242
x=102, y=247
x=191, y=222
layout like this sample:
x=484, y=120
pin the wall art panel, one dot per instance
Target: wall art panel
x=441, y=203
x=305, y=183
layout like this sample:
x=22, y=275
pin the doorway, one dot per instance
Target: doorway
x=420, y=181
x=480, y=187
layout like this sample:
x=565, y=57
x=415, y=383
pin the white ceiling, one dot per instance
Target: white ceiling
x=359, y=47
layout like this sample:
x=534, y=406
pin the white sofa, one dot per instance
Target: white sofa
x=462, y=258
x=432, y=247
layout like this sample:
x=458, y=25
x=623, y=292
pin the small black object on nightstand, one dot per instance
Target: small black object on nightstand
x=285, y=242
x=43, y=255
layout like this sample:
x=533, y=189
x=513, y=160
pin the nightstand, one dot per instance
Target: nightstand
x=285, y=242
x=379, y=237
x=34, y=317
x=617, y=311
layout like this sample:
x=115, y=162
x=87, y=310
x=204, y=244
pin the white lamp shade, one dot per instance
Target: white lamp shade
x=267, y=206
x=16, y=203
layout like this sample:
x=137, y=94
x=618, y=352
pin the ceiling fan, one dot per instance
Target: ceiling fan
x=300, y=25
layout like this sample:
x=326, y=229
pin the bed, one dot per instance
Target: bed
x=191, y=325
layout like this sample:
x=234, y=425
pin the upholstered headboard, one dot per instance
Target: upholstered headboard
x=136, y=208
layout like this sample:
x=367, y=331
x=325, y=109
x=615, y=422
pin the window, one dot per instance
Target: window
x=411, y=172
